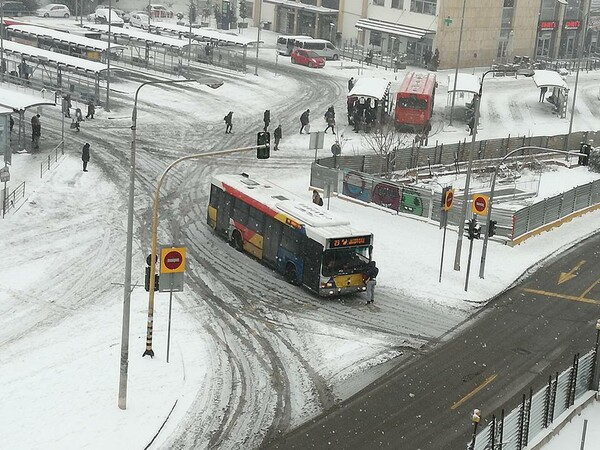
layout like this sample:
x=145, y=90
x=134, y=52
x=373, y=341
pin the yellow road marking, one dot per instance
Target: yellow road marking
x=474, y=391
x=564, y=296
x=591, y=287
x=566, y=276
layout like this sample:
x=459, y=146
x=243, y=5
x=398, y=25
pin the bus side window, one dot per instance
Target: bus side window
x=240, y=211
x=289, y=240
x=215, y=195
x=256, y=221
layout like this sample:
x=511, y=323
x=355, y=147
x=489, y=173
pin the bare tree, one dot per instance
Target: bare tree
x=384, y=140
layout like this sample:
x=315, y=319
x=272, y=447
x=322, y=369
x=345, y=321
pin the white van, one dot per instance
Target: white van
x=320, y=46
x=285, y=44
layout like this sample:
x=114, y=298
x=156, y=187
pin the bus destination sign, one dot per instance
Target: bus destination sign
x=351, y=241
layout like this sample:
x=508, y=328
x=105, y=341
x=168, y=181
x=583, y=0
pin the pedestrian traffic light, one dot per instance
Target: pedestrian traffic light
x=263, y=142
x=492, y=228
x=147, y=280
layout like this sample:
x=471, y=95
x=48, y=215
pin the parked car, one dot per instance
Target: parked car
x=101, y=16
x=307, y=58
x=139, y=20
x=160, y=11
x=54, y=10
x=14, y=9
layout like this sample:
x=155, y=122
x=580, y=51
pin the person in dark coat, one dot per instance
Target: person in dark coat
x=317, y=200
x=36, y=128
x=330, y=119
x=67, y=106
x=228, y=122
x=350, y=84
x=91, y=110
x=426, y=131
x=266, y=119
x=85, y=156
x=369, y=277
x=305, y=121
x=471, y=125
x=277, y=136
x=543, y=91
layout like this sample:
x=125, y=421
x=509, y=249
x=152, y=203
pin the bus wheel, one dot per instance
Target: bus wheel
x=290, y=274
x=237, y=242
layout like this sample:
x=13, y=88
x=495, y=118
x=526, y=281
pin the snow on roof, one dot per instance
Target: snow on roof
x=549, y=78
x=9, y=98
x=62, y=36
x=56, y=58
x=139, y=35
x=464, y=83
x=203, y=33
x=370, y=87
x=4, y=111
x=303, y=7
x=394, y=29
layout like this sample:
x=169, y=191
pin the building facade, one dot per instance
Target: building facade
x=494, y=31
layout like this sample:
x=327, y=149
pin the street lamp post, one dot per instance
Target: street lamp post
x=107, y=107
x=475, y=418
x=149, y=350
x=2, y=62
x=595, y=368
x=462, y=21
x=561, y=20
x=258, y=36
x=579, y=56
x=463, y=211
x=492, y=191
x=128, y=256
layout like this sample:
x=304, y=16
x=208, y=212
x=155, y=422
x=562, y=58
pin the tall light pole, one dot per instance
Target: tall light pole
x=107, y=107
x=463, y=210
x=561, y=19
x=149, y=350
x=258, y=36
x=475, y=418
x=579, y=55
x=3, y=67
x=462, y=21
x=128, y=255
x=492, y=191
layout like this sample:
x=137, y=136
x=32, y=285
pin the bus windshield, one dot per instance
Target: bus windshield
x=412, y=103
x=346, y=261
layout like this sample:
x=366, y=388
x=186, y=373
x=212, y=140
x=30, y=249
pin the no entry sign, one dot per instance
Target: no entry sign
x=447, y=199
x=172, y=260
x=480, y=204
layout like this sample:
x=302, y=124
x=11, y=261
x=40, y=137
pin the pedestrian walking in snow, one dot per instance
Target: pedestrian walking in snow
x=277, y=136
x=85, y=156
x=66, y=106
x=350, y=84
x=370, y=278
x=305, y=121
x=228, y=122
x=330, y=119
x=266, y=119
x=91, y=110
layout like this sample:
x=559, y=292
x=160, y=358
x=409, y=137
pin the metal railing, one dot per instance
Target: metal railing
x=52, y=159
x=11, y=198
x=538, y=411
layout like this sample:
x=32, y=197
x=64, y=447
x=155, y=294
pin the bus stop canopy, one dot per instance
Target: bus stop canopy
x=9, y=98
x=4, y=111
x=58, y=59
x=549, y=78
x=140, y=36
x=64, y=38
x=370, y=87
x=202, y=34
x=464, y=83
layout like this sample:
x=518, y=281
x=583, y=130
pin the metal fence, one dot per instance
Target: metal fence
x=9, y=199
x=368, y=178
x=52, y=159
x=537, y=411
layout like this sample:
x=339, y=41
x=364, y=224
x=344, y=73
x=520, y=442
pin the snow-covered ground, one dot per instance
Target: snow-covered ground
x=62, y=274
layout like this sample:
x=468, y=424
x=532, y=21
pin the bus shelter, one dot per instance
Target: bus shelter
x=19, y=102
x=148, y=50
x=42, y=69
x=368, y=102
x=62, y=42
x=557, y=90
x=220, y=49
x=467, y=86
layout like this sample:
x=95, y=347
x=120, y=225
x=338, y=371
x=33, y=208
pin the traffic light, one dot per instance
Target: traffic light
x=492, y=228
x=263, y=141
x=474, y=230
x=147, y=280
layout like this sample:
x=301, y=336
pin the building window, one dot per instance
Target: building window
x=379, y=2
x=375, y=38
x=332, y=4
x=423, y=6
x=397, y=4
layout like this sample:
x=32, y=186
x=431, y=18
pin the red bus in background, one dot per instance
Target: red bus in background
x=414, y=101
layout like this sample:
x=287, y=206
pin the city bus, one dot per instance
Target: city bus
x=285, y=44
x=414, y=101
x=302, y=241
